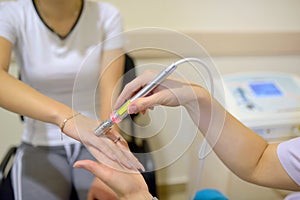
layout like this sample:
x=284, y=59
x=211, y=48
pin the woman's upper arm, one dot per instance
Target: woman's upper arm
x=5, y=55
x=9, y=23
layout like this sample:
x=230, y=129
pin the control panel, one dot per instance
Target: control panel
x=266, y=102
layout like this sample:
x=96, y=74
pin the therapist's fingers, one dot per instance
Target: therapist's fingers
x=121, y=182
x=99, y=170
x=99, y=190
x=144, y=103
x=134, y=86
x=165, y=94
x=105, y=174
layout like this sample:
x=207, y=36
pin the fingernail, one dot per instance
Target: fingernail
x=139, y=166
x=132, y=109
x=114, y=158
x=129, y=165
x=142, y=167
x=77, y=165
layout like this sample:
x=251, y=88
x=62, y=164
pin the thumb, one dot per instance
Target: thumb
x=89, y=165
x=101, y=171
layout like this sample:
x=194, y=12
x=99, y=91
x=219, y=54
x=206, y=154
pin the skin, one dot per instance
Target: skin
x=22, y=99
x=126, y=185
x=244, y=152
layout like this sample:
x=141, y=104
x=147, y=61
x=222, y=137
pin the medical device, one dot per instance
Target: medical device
x=266, y=102
x=119, y=114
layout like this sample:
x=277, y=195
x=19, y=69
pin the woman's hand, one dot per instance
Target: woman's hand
x=107, y=149
x=127, y=185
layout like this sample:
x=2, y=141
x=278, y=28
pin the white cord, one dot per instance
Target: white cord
x=202, y=150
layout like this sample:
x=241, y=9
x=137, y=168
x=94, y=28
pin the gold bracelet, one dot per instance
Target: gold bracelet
x=62, y=126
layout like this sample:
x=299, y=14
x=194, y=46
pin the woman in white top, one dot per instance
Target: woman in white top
x=243, y=151
x=50, y=40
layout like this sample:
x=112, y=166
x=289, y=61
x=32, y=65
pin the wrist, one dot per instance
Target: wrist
x=62, y=125
x=200, y=99
x=199, y=108
x=59, y=115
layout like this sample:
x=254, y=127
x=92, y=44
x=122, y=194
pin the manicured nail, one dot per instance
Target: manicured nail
x=141, y=167
x=132, y=109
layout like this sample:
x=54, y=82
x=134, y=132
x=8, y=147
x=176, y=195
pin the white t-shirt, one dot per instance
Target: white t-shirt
x=64, y=69
x=289, y=156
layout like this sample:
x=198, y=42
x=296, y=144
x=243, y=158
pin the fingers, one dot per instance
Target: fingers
x=118, y=139
x=144, y=103
x=100, y=171
x=133, y=87
x=121, y=154
x=117, y=151
x=105, y=160
x=97, y=169
x=121, y=182
x=121, y=143
x=115, y=154
x=135, y=160
x=113, y=137
x=99, y=190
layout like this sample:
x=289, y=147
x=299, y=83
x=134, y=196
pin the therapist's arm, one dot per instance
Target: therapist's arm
x=243, y=151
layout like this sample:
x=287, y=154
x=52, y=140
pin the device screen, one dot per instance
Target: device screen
x=265, y=89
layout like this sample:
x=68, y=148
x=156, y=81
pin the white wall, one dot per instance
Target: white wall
x=212, y=15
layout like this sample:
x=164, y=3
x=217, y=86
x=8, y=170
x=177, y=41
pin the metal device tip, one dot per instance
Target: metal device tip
x=103, y=128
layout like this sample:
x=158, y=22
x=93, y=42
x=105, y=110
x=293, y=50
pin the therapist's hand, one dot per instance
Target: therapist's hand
x=103, y=148
x=171, y=92
x=127, y=185
x=100, y=191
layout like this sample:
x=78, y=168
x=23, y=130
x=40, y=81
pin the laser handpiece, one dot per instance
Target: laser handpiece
x=119, y=114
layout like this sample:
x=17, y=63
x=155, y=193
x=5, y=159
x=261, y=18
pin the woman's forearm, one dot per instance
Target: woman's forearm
x=20, y=98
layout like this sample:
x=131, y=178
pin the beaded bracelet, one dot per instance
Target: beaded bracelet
x=62, y=126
